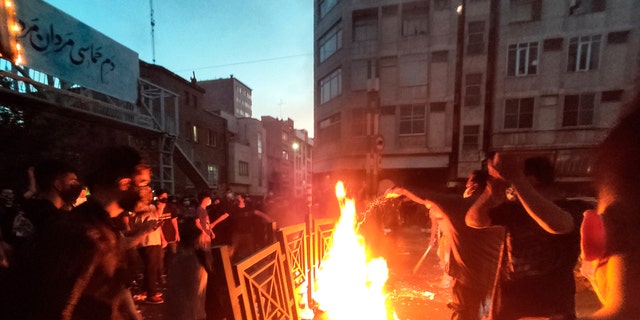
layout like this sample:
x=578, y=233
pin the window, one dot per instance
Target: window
x=578, y=7
x=415, y=18
x=584, y=53
x=473, y=89
x=243, y=168
x=331, y=86
x=187, y=97
x=471, y=137
x=259, y=145
x=330, y=42
x=438, y=106
x=618, y=37
x=285, y=155
x=441, y=4
x=475, y=38
x=522, y=59
x=553, y=44
x=578, y=110
x=326, y=6
x=611, y=95
x=212, y=174
x=192, y=132
x=212, y=139
x=440, y=56
x=365, y=25
x=518, y=113
x=524, y=10
x=330, y=128
x=412, y=119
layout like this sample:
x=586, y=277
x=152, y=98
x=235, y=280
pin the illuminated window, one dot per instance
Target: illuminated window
x=584, y=53
x=523, y=59
x=412, y=119
x=578, y=110
x=330, y=42
x=212, y=174
x=331, y=86
x=518, y=113
x=192, y=134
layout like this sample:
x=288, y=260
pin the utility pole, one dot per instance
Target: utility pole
x=492, y=48
x=457, y=98
x=153, y=39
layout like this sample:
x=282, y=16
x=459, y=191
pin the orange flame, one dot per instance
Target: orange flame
x=349, y=285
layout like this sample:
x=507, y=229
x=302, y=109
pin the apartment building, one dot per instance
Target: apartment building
x=419, y=91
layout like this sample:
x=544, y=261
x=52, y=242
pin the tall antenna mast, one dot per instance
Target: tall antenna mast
x=153, y=39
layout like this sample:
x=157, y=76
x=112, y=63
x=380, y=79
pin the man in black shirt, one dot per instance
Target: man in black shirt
x=542, y=238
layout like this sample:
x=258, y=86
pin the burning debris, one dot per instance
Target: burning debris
x=350, y=283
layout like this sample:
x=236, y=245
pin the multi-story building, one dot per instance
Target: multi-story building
x=301, y=152
x=229, y=95
x=201, y=146
x=288, y=152
x=419, y=91
x=247, y=159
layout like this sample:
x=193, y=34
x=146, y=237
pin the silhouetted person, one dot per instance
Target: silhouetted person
x=473, y=253
x=77, y=268
x=542, y=238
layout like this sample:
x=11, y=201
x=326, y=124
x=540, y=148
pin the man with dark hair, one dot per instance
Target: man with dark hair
x=610, y=234
x=57, y=190
x=76, y=271
x=474, y=253
x=542, y=239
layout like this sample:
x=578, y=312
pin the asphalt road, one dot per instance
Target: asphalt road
x=416, y=297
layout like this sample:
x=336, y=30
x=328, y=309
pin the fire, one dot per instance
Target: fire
x=349, y=285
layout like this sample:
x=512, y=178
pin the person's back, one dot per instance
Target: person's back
x=536, y=273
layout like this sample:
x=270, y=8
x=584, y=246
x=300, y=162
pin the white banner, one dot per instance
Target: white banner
x=58, y=44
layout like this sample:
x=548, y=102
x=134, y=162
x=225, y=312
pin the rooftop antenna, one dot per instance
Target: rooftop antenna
x=153, y=40
x=280, y=105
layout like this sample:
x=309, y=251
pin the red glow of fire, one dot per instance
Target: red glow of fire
x=350, y=285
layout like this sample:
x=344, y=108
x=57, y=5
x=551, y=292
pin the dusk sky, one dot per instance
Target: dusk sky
x=267, y=45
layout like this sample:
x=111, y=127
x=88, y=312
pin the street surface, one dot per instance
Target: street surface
x=415, y=297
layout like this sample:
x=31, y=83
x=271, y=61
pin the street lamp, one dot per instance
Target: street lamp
x=295, y=146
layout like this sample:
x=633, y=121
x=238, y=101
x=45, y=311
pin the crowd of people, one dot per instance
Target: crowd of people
x=66, y=255
x=513, y=239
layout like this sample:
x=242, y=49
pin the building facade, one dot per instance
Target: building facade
x=247, y=159
x=229, y=95
x=200, y=152
x=419, y=91
x=288, y=152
